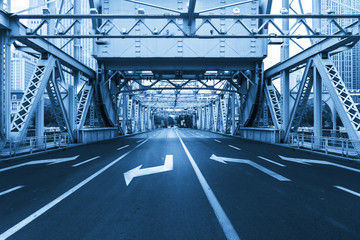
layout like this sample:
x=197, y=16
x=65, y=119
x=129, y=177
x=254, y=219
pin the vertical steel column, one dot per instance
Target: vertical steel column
x=285, y=80
x=3, y=86
x=77, y=43
x=232, y=113
x=316, y=6
x=7, y=85
x=333, y=118
x=317, y=107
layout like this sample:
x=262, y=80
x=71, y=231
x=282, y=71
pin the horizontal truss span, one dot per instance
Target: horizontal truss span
x=185, y=36
x=174, y=16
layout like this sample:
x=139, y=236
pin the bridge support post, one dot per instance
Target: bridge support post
x=5, y=86
x=232, y=113
x=317, y=108
x=285, y=83
x=39, y=119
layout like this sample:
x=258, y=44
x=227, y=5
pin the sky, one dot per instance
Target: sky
x=18, y=5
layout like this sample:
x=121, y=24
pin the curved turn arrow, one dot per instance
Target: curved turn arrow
x=137, y=172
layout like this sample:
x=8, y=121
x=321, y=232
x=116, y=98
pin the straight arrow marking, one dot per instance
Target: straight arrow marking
x=251, y=163
x=311, y=161
x=137, y=172
x=49, y=161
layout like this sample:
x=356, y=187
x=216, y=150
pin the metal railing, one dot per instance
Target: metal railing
x=32, y=144
x=330, y=145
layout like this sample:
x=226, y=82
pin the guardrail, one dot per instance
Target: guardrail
x=32, y=144
x=341, y=146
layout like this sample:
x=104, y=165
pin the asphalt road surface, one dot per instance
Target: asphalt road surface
x=179, y=184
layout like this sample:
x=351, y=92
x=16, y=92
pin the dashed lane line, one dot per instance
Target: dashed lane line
x=266, y=159
x=11, y=231
x=10, y=190
x=234, y=147
x=89, y=160
x=348, y=190
x=217, y=140
x=123, y=147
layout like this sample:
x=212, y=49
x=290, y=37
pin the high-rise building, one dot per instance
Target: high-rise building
x=21, y=68
x=347, y=62
x=62, y=25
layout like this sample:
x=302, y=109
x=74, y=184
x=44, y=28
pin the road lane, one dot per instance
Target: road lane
x=168, y=205
x=260, y=208
x=172, y=204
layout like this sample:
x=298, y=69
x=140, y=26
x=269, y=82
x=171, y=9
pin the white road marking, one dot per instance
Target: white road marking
x=49, y=161
x=89, y=160
x=139, y=140
x=122, y=147
x=224, y=221
x=38, y=213
x=10, y=190
x=266, y=159
x=217, y=140
x=234, y=147
x=137, y=172
x=309, y=161
x=348, y=190
x=251, y=163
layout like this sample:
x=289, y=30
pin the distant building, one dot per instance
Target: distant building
x=347, y=62
x=16, y=96
x=21, y=69
x=66, y=7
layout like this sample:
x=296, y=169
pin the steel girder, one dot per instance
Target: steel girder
x=42, y=78
x=42, y=46
x=324, y=46
x=344, y=103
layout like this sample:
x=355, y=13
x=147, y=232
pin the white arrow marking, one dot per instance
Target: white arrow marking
x=137, y=172
x=10, y=190
x=251, y=163
x=49, y=161
x=311, y=161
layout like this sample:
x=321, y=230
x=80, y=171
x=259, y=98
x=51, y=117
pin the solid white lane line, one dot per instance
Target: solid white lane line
x=48, y=206
x=266, y=159
x=234, y=147
x=89, y=160
x=217, y=140
x=348, y=190
x=122, y=147
x=10, y=190
x=224, y=221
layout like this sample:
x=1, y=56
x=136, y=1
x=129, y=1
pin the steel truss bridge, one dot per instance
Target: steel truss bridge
x=197, y=58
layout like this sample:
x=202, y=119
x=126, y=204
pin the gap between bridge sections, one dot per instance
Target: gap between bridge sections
x=11, y=231
x=223, y=219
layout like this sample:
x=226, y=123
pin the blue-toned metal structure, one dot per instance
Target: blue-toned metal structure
x=203, y=59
